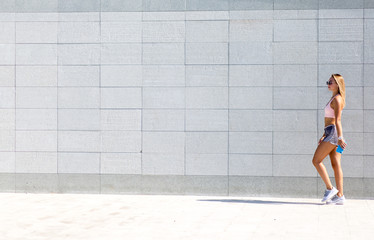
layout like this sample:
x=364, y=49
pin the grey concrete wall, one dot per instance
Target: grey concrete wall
x=217, y=97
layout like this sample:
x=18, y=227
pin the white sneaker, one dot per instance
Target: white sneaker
x=337, y=200
x=329, y=194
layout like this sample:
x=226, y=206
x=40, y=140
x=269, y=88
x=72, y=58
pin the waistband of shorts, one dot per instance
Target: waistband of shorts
x=330, y=126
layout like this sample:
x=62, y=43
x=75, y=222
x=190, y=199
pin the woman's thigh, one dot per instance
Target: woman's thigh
x=323, y=149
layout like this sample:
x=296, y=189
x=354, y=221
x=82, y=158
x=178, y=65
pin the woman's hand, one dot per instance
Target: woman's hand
x=342, y=143
x=319, y=142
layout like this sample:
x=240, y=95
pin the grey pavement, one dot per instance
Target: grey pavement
x=85, y=216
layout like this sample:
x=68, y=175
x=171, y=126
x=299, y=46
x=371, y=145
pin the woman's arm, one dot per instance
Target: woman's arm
x=338, y=107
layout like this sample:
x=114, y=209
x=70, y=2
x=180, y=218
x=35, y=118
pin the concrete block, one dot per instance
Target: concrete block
x=121, y=53
x=36, y=183
x=207, y=97
x=121, y=98
x=203, y=185
x=294, y=120
x=36, y=162
x=79, y=32
x=164, y=5
x=207, y=15
x=355, y=99
x=121, y=32
x=352, y=166
x=369, y=191
x=7, y=119
x=340, y=52
x=207, y=164
x=79, y=141
x=251, y=75
x=36, y=16
x=163, y=163
x=368, y=166
x=79, y=97
x=163, y=53
x=121, y=184
x=79, y=6
x=7, y=56
x=7, y=163
x=8, y=6
x=294, y=186
x=295, y=75
x=7, y=140
x=79, y=76
x=250, y=120
x=121, y=163
x=341, y=30
x=40, y=141
x=207, y=75
x=8, y=76
x=251, y=14
x=331, y=4
x=353, y=120
x=167, y=31
x=163, y=120
x=260, y=30
x=296, y=4
x=338, y=13
x=221, y=5
x=7, y=16
x=206, y=53
x=36, y=119
x=7, y=183
x=121, y=141
x=121, y=76
x=7, y=97
x=207, y=120
x=295, y=98
x=251, y=98
x=36, y=97
x=250, y=186
x=295, y=30
x=121, y=16
x=251, y=142
x=355, y=142
x=295, y=14
x=164, y=16
x=79, y=183
x=251, y=53
x=368, y=13
x=164, y=75
x=7, y=32
x=368, y=143
x=36, y=5
x=369, y=52
x=79, y=163
x=163, y=97
x=368, y=73
x=79, y=54
x=36, y=32
x=36, y=54
x=121, y=5
x=251, y=5
x=250, y=165
x=152, y=184
x=206, y=142
x=79, y=119
x=121, y=120
x=353, y=74
x=294, y=142
x=295, y=53
x=368, y=120
x=163, y=142
x=79, y=16
x=207, y=31
x=36, y=76
x=293, y=166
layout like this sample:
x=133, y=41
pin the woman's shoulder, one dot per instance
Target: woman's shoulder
x=338, y=99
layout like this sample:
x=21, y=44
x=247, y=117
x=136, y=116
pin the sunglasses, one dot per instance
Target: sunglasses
x=328, y=82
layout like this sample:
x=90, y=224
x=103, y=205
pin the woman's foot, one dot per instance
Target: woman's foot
x=337, y=200
x=329, y=194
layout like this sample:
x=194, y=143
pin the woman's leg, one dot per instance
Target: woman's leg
x=323, y=149
x=336, y=165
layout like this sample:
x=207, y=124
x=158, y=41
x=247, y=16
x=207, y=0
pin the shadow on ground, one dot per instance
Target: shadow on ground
x=258, y=202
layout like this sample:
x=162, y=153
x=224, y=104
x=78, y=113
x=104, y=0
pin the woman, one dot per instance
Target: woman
x=332, y=137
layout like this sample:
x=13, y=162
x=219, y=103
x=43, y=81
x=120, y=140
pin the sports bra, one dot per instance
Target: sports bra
x=329, y=112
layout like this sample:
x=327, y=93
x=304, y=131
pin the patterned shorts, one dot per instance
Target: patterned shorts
x=331, y=135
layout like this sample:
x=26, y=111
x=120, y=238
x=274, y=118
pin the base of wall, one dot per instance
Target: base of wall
x=180, y=185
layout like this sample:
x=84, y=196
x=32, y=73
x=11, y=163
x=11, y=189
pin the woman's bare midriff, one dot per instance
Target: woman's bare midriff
x=329, y=121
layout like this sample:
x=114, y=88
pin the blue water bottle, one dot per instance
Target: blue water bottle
x=339, y=149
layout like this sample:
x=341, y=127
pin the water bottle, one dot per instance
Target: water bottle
x=340, y=149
